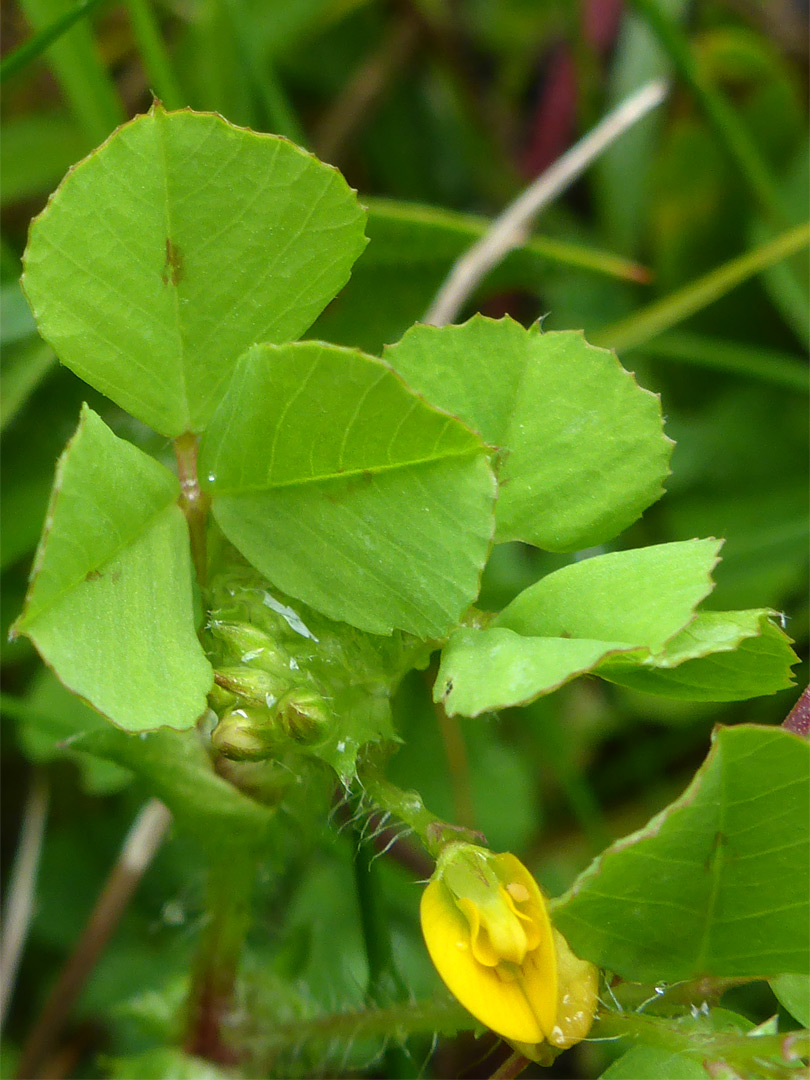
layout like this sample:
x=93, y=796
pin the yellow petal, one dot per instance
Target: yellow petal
x=502, y=1006
x=479, y=943
x=496, y=929
x=540, y=966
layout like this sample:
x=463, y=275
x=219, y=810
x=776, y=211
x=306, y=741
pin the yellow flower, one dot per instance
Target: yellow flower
x=487, y=929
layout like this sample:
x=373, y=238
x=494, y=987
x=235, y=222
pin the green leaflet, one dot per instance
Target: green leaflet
x=109, y=606
x=348, y=491
x=719, y=656
x=716, y=884
x=625, y=602
x=653, y=1061
x=174, y=246
x=47, y=722
x=793, y=993
x=582, y=447
x=177, y=768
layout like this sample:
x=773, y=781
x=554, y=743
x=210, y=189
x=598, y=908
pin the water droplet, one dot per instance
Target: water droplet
x=174, y=913
x=292, y=618
x=212, y=478
x=661, y=988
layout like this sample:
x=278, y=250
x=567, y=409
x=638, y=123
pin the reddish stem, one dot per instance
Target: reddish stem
x=514, y=1065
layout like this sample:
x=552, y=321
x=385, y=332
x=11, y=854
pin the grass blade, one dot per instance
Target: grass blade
x=766, y=365
x=76, y=64
x=648, y=322
x=26, y=53
x=162, y=80
x=722, y=118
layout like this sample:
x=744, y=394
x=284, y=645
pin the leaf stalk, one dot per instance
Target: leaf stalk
x=193, y=501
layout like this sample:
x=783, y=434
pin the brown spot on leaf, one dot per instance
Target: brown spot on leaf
x=93, y=575
x=173, y=267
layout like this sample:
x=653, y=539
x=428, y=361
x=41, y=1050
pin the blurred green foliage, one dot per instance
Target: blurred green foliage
x=449, y=108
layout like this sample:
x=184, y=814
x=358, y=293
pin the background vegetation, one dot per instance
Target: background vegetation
x=438, y=113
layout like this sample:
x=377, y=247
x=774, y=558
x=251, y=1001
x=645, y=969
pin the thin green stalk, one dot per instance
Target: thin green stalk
x=549, y=735
x=193, y=502
x=646, y=323
x=750, y=361
x=458, y=766
x=231, y=881
x=460, y=230
x=162, y=80
x=724, y=121
x=76, y=64
x=278, y=113
x=384, y=981
x=36, y=45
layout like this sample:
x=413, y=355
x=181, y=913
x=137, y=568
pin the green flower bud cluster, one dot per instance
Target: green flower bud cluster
x=289, y=679
x=266, y=701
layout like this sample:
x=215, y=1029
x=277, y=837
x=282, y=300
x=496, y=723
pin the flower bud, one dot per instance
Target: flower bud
x=252, y=646
x=303, y=715
x=243, y=735
x=257, y=687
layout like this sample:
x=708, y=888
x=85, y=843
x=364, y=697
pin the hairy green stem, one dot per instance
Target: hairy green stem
x=443, y=1016
x=434, y=833
x=743, y=1052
